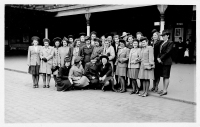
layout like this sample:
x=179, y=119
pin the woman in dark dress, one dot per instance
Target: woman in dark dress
x=63, y=82
x=165, y=60
x=105, y=73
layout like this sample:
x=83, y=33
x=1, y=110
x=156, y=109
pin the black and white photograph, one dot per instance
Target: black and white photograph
x=100, y=63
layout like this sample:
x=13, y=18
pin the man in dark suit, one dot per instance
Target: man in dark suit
x=165, y=60
x=91, y=73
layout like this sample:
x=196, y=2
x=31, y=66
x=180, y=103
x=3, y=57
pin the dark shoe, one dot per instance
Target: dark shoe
x=37, y=86
x=137, y=92
x=140, y=94
x=133, y=92
x=156, y=90
x=44, y=86
x=163, y=94
x=48, y=86
x=34, y=86
x=152, y=89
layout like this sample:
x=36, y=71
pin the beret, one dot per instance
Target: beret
x=77, y=59
x=46, y=40
x=82, y=34
x=57, y=39
x=93, y=32
x=165, y=32
x=87, y=38
x=35, y=38
x=70, y=36
x=139, y=33
x=143, y=38
x=122, y=41
x=104, y=56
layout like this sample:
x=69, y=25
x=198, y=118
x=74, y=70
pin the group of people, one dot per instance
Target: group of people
x=108, y=63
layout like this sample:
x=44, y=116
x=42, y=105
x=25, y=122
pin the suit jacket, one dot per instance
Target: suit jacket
x=107, y=70
x=156, y=49
x=122, y=57
x=97, y=51
x=146, y=55
x=33, y=55
x=86, y=53
x=47, y=53
x=165, y=52
x=91, y=70
x=133, y=56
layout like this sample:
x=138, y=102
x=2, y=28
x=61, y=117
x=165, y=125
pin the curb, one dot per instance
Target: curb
x=168, y=98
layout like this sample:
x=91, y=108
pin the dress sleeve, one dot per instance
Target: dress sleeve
x=29, y=56
x=151, y=55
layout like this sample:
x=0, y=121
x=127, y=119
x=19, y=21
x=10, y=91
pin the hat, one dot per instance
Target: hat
x=64, y=39
x=67, y=59
x=93, y=32
x=35, y=38
x=77, y=59
x=124, y=34
x=70, y=36
x=46, y=40
x=87, y=38
x=82, y=34
x=139, y=33
x=57, y=39
x=94, y=60
x=104, y=56
x=153, y=31
x=165, y=32
x=143, y=38
x=122, y=41
x=97, y=39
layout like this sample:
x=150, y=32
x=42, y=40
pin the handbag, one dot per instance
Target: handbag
x=148, y=66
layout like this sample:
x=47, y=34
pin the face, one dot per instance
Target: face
x=96, y=43
x=35, y=42
x=130, y=39
x=122, y=45
x=135, y=44
x=67, y=64
x=125, y=38
x=155, y=36
x=106, y=43
x=138, y=36
x=88, y=42
x=57, y=43
x=116, y=40
x=80, y=63
x=64, y=43
x=46, y=43
x=93, y=36
x=165, y=37
x=109, y=38
x=82, y=38
x=78, y=43
x=104, y=61
x=71, y=39
x=144, y=43
x=103, y=38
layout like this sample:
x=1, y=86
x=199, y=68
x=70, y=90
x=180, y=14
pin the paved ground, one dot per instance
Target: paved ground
x=182, y=82
x=23, y=104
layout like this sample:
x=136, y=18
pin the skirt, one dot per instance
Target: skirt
x=157, y=71
x=83, y=82
x=45, y=67
x=165, y=71
x=146, y=74
x=63, y=85
x=34, y=69
x=133, y=73
x=121, y=71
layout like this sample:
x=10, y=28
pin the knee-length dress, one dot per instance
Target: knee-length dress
x=56, y=59
x=147, y=59
x=86, y=52
x=133, y=63
x=33, y=60
x=122, y=62
x=65, y=51
x=46, y=52
x=78, y=72
x=63, y=82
